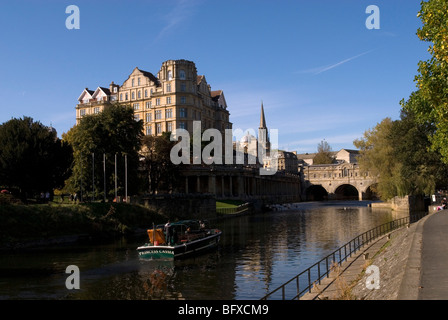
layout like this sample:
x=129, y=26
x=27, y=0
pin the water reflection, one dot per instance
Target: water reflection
x=256, y=254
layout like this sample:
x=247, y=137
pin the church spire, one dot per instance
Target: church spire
x=262, y=118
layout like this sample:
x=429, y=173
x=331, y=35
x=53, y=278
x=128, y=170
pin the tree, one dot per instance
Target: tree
x=397, y=153
x=160, y=173
x=431, y=79
x=32, y=158
x=111, y=132
x=376, y=157
x=324, y=154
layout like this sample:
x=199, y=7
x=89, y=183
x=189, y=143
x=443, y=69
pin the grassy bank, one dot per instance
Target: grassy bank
x=21, y=223
x=228, y=203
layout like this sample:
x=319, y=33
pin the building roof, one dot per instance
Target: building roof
x=199, y=79
x=216, y=94
x=105, y=90
x=149, y=75
x=84, y=92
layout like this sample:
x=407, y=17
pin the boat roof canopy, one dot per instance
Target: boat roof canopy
x=188, y=223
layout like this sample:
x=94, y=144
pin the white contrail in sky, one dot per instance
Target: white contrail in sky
x=319, y=70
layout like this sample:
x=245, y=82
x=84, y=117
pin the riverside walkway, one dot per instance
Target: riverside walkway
x=412, y=263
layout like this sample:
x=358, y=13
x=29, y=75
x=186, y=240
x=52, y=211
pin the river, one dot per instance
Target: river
x=257, y=253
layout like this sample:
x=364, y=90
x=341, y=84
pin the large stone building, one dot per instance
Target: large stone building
x=341, y=156
x=174, y=99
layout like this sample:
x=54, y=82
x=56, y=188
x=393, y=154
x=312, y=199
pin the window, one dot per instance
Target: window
x=182, y=74
x=148, y=117
x=121, y=97
x=139, y=94
x=169, y=126
x=168, y=87
x=136, y=106
x=168, y=100
x=133, y=95
x=168, y=113
x=158, y=102
x=170, y=75
x=183, y=112
x=148, y=104
x=138, y=81
x=132, y=82
x=126, y=96
x=158, y=128
x=96, y=110
x=183, y=100
x=136, y=117
x=182, y=125
x=148, y=130
x=115, y=89
x=146, y=93
x=82, y=112
x=183, y=87
x=158, y=114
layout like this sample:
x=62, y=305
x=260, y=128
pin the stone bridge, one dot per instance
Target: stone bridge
x=343, y=181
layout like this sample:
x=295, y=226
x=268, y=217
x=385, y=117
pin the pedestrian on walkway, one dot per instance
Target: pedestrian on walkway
x=168, y=233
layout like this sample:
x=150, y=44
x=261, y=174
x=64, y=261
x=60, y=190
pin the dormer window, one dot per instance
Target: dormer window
x=170, y=75
x=132, y=82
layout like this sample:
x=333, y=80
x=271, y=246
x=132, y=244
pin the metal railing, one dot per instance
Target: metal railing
x=303, y=282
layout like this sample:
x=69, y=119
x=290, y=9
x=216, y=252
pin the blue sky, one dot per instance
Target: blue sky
x=320, y=73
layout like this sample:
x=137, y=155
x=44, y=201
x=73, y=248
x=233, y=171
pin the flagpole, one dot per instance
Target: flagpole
x=126, y=176
x=104, y=173
x=93, y=176
x=115, y=177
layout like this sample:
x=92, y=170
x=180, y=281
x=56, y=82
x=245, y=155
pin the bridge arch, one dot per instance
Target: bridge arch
x=316, y=193
x=369, y=193
x=346, y=192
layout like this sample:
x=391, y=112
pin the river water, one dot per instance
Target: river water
x=257, y=253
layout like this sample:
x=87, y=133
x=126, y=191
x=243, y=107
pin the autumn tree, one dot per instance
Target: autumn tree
x=324, y=154
x=397, y=154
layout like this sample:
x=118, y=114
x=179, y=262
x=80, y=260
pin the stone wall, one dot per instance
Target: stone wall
x=411, y=204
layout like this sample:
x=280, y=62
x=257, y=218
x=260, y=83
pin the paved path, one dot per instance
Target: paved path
x=434, y=258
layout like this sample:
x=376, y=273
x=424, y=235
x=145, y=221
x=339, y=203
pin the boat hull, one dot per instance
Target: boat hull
x=180, y=250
